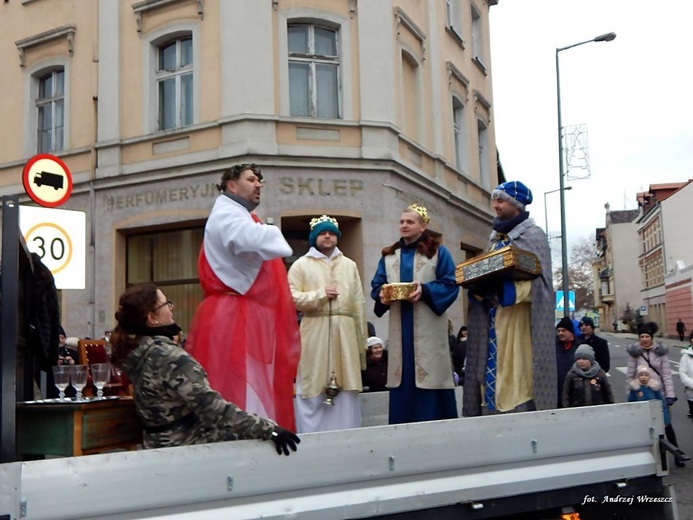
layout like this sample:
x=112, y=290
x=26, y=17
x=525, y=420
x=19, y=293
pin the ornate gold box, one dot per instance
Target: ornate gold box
x=506, y=262
x=397, y=291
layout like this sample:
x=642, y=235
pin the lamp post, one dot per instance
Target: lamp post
x=546, y=213
x=564, y=236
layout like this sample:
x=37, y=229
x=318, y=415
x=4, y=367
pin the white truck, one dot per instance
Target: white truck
x=578, y=463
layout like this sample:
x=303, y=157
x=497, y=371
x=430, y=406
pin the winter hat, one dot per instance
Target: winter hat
x=643, y=368
x=585, y=352
x=587, y=321
x=374, y=340
x=567, y=324
x=320, y=224
x=61, y=331
x=650, y=328
x=514, y=192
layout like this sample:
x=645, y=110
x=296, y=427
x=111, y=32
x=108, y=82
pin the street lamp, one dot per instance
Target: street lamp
x=564, y=236
x=546, y=213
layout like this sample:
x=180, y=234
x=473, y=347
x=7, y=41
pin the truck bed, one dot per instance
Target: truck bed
x=473, y=467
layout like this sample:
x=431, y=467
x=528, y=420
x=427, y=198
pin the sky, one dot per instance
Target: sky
x=634, y=95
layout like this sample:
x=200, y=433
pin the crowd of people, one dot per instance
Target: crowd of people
x=248, y=372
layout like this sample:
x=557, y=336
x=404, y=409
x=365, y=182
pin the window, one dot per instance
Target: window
x=477, y=38
x=168, y=259
x=453, y=17
x=484, y=174
x=459, y=133
x=410, y=96
x=174, y=78
x=313, y=71
x=50, y=105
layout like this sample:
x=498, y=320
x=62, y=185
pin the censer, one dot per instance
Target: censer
x=332, y=389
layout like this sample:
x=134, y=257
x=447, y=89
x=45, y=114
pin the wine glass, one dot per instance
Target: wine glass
x=79, y=375
x=61, y=379
x=100, y=376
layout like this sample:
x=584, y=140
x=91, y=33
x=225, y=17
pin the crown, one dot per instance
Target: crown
x=324, y=218
x=422, y=211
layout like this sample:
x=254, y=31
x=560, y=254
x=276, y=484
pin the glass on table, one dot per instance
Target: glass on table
x=61, y=379
x=79, y=375
x=100, y=376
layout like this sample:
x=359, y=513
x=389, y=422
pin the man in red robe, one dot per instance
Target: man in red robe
x=245, y=332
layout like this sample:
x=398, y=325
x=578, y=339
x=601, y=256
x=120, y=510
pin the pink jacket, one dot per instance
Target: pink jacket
x=660, y=368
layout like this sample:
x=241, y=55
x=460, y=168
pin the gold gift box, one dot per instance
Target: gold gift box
x=397, y=291
x=506, y=262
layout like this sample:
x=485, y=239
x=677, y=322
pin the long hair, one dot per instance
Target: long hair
x=134, y=306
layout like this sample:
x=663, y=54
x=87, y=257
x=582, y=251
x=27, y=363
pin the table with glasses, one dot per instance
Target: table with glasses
x=73, y=427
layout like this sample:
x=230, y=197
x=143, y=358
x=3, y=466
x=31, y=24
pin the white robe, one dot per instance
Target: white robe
x=235, y=245
x=308, y=277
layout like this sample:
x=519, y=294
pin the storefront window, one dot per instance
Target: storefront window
x=168, y=259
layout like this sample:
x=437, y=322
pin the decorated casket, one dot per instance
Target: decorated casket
x=505, y=263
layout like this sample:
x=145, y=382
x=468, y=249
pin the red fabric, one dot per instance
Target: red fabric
x=249, y=340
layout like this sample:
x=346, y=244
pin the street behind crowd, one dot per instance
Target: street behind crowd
x=680, y=478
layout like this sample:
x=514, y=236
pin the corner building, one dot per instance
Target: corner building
x=351, y=108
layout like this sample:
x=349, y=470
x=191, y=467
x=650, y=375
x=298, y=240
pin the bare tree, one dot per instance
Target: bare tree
x=579, y=274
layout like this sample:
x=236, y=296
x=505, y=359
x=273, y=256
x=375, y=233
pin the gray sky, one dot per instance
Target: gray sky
x=634, y=94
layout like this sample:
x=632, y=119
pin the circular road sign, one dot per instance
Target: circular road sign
x=47, y=180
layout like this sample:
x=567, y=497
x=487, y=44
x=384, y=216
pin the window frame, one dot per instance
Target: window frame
x=51, y=101
x=177, y=73
x=405, y=53
x=151, y=44
x=313, y=60
x=334, y=21
x=32, y=76
x=453, y=19
x=483, y=152
x=478, y=47
x=460, y=134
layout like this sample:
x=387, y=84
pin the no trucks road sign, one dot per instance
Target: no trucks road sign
x=47, y=180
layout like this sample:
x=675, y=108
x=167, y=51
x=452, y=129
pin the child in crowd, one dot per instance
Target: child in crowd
x=646, y=389
x=586, y=383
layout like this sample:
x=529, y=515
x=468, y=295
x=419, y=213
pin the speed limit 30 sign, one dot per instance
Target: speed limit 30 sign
x=58, y=237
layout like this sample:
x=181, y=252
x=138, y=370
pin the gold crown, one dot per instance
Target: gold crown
x=422, y=211
x=324, y=218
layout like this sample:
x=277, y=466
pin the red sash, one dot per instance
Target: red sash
x=249, y=340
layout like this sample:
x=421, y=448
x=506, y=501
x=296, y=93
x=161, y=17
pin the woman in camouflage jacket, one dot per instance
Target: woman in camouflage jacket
x=170, y=388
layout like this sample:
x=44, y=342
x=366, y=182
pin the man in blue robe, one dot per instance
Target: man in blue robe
x=419, y=366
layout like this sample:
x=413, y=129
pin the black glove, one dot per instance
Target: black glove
x=284, y=439
x=671, y=400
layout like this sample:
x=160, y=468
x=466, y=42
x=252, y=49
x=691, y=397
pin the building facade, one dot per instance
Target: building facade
x=352, y=108
x=617, y=267
x=676, y=210
x=655, y=256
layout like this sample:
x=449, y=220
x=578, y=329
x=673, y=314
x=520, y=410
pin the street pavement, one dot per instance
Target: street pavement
x=680, y=478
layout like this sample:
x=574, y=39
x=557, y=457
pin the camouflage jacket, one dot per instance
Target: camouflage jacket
x=171, y=387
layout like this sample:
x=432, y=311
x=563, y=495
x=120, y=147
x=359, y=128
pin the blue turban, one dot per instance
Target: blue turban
x=325, y=225
x=514, y=192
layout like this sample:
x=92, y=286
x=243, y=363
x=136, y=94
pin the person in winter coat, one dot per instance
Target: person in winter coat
x=172, y=395
x=686, y=373
x=655, y=355
x=565, y=354
x=374, y=378
x=586, y=384
x=599, y=345
x=645, y=388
